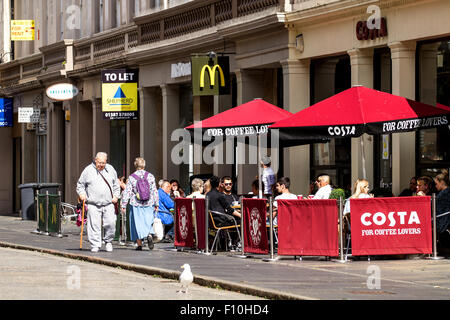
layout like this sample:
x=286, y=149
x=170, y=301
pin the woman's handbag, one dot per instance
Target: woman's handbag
x=158, y=228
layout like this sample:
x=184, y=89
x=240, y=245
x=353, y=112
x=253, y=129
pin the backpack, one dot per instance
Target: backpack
x=142, y=187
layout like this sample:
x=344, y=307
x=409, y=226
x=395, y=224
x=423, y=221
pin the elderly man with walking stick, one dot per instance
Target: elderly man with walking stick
x=98, y=186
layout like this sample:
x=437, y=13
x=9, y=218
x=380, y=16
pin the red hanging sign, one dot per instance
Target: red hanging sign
x=391, y=226
x=308, y=227
x=184, y=228
x=255, y=230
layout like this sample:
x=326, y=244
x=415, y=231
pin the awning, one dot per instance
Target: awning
x=361, y=110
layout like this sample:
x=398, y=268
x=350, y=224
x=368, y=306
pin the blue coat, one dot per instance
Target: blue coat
x=165, y=204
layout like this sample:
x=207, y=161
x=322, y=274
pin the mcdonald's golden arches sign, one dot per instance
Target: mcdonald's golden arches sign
x=210, y=76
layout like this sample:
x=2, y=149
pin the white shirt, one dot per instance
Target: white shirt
x=323, y=193
x=197, y=195
x=268, y=179
x=347, y=203
x=284, y=196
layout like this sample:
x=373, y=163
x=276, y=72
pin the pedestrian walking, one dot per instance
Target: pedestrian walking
x=141, y=193
x=98, y=186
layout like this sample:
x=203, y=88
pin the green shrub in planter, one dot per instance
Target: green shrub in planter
x=337, y=193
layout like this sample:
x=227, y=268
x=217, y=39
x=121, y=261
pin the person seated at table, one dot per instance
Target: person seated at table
x=283, y=184
x=325, y=188
x=197, y=189
x=442, y=204
x=255, y=189
x=425, y=186
x=166, y=204
x=206, y=187
x=218, y=203
x=227, y=185
x=175, y=190
x=411, y=191
x=360, y=190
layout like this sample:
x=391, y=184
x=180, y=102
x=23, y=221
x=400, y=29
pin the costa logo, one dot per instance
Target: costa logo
x=183, y=225
x=255, y=225
x=380, y=218
x=365, y=32
x=341, y=130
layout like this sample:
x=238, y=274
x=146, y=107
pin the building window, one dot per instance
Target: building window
x=433, y=148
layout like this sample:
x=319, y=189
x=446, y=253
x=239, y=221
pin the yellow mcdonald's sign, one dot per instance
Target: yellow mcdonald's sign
x=212, y=75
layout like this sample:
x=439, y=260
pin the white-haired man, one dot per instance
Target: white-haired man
x=325, y=189
x=98, y=186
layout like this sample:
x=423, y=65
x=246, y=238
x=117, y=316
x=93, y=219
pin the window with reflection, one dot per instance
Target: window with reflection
x=433, y=145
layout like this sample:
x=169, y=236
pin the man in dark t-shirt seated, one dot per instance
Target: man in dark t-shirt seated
x=219, y=203
x=227, y=186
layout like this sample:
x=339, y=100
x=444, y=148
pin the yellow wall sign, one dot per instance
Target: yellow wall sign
x=210, y=75
x=120, y=94
x=22, y=30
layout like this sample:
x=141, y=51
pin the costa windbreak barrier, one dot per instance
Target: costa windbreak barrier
x=391, y=226
x=308, y=227
x=184, y=226
x=255, y=233
x=210, y=75
x=361, y=110
x=200, y=222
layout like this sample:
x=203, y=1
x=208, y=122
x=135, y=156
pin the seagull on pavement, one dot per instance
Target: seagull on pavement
x=186, y=277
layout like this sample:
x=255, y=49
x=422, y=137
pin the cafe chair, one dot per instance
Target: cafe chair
x=348, y=231
x=225, y=229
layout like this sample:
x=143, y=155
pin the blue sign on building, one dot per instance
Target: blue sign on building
x=6, y=112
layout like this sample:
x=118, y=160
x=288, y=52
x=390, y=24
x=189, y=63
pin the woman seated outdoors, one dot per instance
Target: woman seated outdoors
x=360, y=191
x=425, y=186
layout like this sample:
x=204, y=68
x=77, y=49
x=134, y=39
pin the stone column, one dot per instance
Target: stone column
x=222, y=103
x=6, y=41
x=203, y=107
x=55, y=142
x=109, y=14
x=171, y=121
x=250, y=85
x=361, y=61
x=428, y=73
x=150, y=130
x=90, y=12
x=296, y=97
x=100, y=129
x=403, y=55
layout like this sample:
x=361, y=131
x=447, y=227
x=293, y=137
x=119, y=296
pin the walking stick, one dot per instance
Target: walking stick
x=82, y=227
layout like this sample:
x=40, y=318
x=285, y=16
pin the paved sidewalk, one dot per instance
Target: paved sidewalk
x=311, y=278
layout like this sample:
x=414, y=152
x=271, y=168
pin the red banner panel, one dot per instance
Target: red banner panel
x=200, y=222
x=184, y=228
x=255, y=232
x=382, y=226
x=308, y=228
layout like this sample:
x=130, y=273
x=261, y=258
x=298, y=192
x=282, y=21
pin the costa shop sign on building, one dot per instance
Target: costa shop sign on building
x=391, y=226
x=365, y=31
